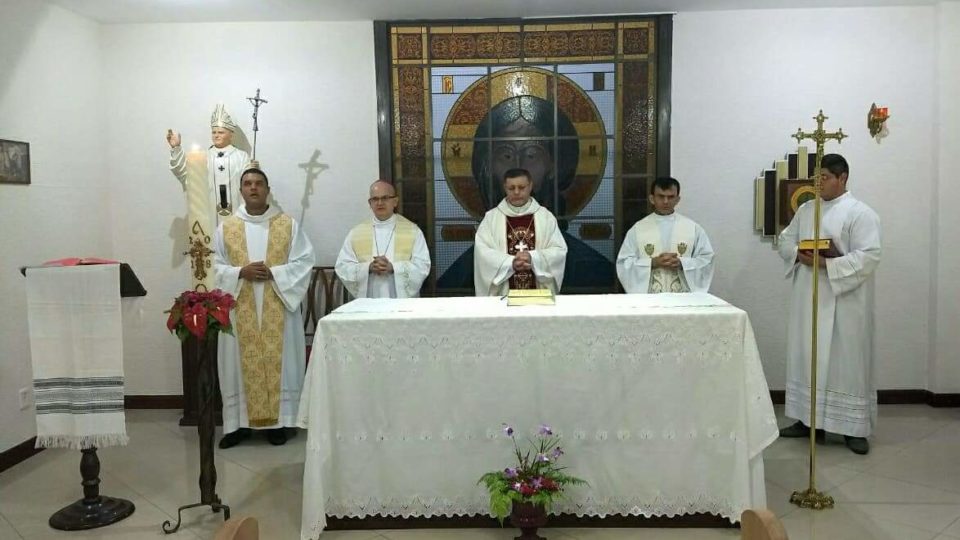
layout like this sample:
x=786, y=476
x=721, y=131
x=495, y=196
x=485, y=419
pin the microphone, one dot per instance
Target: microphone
x=223, y=196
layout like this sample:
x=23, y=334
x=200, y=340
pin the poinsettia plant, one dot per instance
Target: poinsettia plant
x=537, y=478
x=196, y=312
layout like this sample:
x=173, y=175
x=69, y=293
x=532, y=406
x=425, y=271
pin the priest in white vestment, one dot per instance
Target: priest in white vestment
x=264, y=260
x=665, y=251
x=386, y=257
x=225, y=162
x=518, y=243
x=846, y=392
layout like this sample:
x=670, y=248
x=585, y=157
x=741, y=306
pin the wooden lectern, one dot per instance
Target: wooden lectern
x=95, y=510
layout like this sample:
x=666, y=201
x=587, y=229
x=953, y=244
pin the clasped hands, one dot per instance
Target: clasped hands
x=381, y=265
x=805, y=256
x=666, y=260
x=256, y=271
x=522, y=262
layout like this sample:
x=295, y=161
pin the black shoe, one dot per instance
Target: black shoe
x=798, y=429
x=857, y=445
x=277, y=436
x=232, y=439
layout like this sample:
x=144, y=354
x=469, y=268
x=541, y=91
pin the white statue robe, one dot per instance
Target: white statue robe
x=290, y=282
x=846, y=390
x=222, y=170
x=493, y=266
x=656, y=234
x=353, y=268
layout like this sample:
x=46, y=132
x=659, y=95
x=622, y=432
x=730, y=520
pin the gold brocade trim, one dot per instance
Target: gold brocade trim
x=261, y=345
x=361, y=239
x=648, y=235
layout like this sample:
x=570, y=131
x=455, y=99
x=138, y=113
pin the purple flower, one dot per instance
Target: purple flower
x=557, y=452
x=515, y=486
x=537, y=483
x=510, y=472
x=543, y=458
x=545, y=430
x=507, y=430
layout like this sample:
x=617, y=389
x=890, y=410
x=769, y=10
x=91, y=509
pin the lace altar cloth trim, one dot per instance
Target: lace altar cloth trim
x=463, y=507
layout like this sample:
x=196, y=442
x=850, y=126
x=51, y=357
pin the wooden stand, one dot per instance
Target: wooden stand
x=205, y=351
x=191, y=400
x=93, y=510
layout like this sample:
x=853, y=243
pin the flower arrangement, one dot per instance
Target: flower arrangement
x=195, y=312
x=536, y=479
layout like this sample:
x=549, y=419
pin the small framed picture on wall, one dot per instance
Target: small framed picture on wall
x=14, y=162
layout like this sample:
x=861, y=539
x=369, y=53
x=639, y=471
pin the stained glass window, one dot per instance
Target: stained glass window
x=575, y=103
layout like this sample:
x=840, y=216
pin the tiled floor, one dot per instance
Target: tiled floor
x=908, y=488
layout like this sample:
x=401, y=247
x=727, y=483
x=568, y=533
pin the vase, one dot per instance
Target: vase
x=528, y=517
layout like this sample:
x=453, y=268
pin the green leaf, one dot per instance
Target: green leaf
x=500, y=506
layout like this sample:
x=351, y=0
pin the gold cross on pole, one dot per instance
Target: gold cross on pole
x=820, y=137
x=811, y=498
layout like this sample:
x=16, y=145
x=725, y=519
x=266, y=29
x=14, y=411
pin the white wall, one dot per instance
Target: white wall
x=50, y=84
x=743, y=81
x=97, y=101
x=319, y=81
x=945, y=362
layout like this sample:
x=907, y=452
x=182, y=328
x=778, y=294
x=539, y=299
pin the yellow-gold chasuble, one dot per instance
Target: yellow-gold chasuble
x=260, y=341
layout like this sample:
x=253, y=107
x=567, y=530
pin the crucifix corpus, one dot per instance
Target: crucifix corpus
x=811, y=498
x=256, y=101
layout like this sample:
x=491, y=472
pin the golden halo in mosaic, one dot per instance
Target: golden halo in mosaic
x=800, y=196
x=577, y=137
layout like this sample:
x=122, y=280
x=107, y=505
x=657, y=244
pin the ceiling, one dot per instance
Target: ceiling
x=161, y=11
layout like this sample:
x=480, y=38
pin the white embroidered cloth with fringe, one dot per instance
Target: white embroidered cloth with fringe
x=76, y=347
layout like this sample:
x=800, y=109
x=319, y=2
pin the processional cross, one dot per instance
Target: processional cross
x=256, y=101
x=811, y=498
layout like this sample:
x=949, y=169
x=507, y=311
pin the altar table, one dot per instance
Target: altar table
x=660, y=400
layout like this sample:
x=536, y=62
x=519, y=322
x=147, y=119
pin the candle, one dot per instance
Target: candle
x=199, y=224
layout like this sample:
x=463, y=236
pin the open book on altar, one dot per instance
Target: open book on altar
x=530, y=297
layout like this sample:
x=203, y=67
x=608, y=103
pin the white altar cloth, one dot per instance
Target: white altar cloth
x=660, y=400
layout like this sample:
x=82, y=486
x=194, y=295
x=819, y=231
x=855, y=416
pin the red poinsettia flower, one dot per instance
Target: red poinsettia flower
x=191, y=312
x=173, y=319
x=527, y=490
x=195, y=319
x=221, y=314
x=226, y=302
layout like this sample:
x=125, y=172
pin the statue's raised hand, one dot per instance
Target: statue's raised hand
x=173, y=138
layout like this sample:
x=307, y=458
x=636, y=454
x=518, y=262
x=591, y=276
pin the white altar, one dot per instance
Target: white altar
x=661, y=402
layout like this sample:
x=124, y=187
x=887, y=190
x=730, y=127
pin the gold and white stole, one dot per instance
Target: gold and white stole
x=405, y=234
x=261, y=342
x=681, y=242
